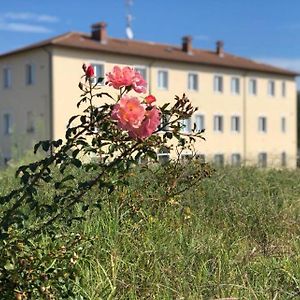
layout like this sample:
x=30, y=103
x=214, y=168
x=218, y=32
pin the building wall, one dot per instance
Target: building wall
x=22, y=100
x=248, y=142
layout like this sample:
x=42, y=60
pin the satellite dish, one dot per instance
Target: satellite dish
x=129, y=33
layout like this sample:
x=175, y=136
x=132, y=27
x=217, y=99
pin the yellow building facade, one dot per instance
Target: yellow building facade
x=248, y=109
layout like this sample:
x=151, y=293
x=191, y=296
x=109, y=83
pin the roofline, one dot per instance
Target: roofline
x=52, y=42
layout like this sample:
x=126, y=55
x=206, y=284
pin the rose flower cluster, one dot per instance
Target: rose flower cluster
x=139, y=118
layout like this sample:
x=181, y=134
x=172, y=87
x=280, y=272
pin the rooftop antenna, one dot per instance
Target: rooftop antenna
x=129, y=32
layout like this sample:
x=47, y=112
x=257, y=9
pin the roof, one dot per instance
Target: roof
x=155, y=51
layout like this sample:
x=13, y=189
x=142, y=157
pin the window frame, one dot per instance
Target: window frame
x=7, y=77
x=164, y=71
x=215, y=117
x=30, y=74
x=271, y=88
x=142, y=67
x=262, y=163
x=238, y=117
x=262, y=129
x=237, y=86
x=202, y=116
x=254, y=92
x=215, y=83
x=283, y=124
x=237, y=163
x=7, y=126
x=222, y=163
x=195, y=84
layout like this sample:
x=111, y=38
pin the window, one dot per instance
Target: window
x=262, y=159
x=186, y=125
x=283, y=159
x=252, y=87
x=30, y=122
x=7, y=124
x=200, y=122
x=218, y=123
x=193, y=82
x=163, y=155
x=236, y=159
x=186, y=157
x=271, y=88
x=142, y=71
x=283, y=89
x=7, y=78
x=235, y=85
x=162, y=79
x=29, y=74
x=219, y=160
x=98, y=72
x=235, y=124
x=164, y=122
x=283, y=124
x=262, y=124
x=218, y=83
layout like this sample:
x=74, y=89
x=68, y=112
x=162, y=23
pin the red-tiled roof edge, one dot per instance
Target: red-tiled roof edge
x=61, y=40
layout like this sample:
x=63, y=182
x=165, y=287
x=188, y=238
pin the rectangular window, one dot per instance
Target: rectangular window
x=7, y=124
x=236, y=159
x=29, y=74
x=283, y=89
x=219, y=160
x=200, y=122
x=163, y=156
x=262, y=159
x=271, y=88
x=262, y=124
x=283, y=124
x=193, y=82
x=218, y=83
x=142, y=71
x=162, y=79
x=186, y=125
x=252, y=87
x=235, y=85
x=235, y=124
x=30, y=122
x=283, y=159
x=164, y=122
x=7, y=78
x=218, y=123
x=98, y=73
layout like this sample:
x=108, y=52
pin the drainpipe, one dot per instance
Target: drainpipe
x=50, y=75
x=244, y=117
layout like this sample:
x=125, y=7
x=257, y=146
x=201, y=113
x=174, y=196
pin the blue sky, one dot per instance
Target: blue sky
x=266, y=30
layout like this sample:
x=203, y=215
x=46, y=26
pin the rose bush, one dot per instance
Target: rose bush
x=103, y=144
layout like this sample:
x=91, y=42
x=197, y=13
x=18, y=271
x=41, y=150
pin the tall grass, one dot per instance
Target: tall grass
x=237, y=236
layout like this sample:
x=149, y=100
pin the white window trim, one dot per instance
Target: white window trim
x=11, y=77
x=99, y=62
x=223, y=85
x=218, y=115
x=271, y=95
x=240, y=123
x=197, y=75
x=204, y=119
x=234, y=93
x=258, y=129
x=256, y=87
x=168, y=79
x=7, y=112
x=143, y=67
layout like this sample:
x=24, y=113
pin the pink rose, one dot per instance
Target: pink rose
x=126, y=77
x=149, y=124
x=129, y=112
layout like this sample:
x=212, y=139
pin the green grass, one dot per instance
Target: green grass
x=236, y=236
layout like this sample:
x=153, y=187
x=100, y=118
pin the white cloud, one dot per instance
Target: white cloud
x=26, y=16
x=201, y=37
x=22, y=27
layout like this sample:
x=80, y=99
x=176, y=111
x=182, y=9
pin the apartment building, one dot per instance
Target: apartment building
x=248, y=109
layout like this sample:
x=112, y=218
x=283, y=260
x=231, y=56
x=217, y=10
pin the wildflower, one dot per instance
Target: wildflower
x=126, y=77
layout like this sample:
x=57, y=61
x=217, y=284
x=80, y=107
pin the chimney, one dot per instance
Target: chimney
x=99, y=32
x=187, y=44
x=220, y=48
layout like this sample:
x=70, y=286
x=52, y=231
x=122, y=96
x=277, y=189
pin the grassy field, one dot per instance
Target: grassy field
x=235, y=236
